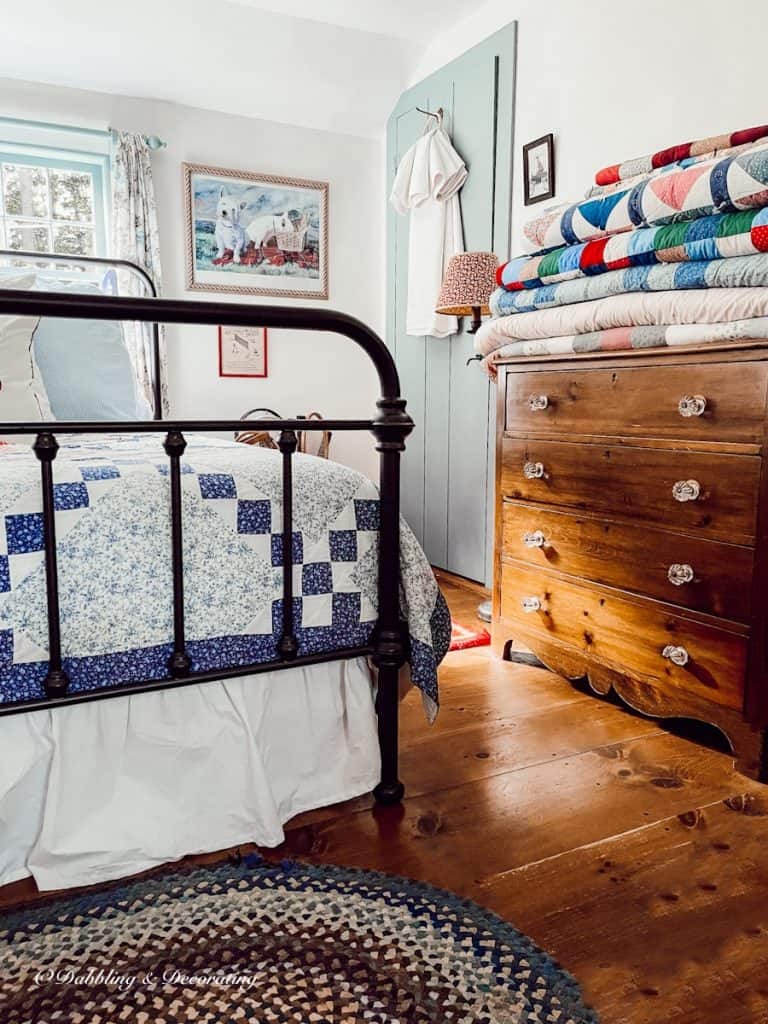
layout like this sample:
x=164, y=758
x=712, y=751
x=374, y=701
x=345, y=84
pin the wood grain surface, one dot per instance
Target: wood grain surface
x=643, y=400
x=637, y=857
x=636, y=484
x=633, y=557
x=629, y=635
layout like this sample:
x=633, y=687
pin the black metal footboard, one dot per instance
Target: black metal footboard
x=389, y=427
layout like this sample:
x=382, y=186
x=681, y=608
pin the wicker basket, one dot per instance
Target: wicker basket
x=306, y=443
x=263, y=438
x=293, y=241
x=260, y=438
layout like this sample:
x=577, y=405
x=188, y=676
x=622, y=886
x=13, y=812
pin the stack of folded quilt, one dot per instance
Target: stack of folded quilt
x=666, y=249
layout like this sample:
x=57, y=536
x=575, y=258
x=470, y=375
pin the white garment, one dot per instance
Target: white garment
x=427, y=184
x=108, y=788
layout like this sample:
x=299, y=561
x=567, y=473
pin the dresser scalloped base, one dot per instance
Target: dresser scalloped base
x=749, y=746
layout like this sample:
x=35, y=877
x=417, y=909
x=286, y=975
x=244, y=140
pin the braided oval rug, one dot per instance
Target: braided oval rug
x=290, y=942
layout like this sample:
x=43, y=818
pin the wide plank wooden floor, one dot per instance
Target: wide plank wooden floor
x=636, y=856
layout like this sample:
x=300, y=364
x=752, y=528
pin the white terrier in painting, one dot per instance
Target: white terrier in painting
x=229, y=231
x=262, y=228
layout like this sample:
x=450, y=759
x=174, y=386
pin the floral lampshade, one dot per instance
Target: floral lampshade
x=470, y=277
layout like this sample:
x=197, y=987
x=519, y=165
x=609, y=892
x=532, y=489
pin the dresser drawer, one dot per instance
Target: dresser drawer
x=643, y=401
x=633, y=637
x=638, y=483
x=637, y=558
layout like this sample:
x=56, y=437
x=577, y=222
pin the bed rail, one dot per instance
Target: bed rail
x=390, y=426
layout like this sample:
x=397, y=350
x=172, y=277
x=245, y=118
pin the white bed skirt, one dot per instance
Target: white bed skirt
x=109, y=788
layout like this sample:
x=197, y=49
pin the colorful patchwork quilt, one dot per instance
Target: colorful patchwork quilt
x=707, y=238
x=691, y=161
x=636, y=309
x=673, y=154
x=114, y=551
x=715, y=186
x=738, y=272
x=617, y=338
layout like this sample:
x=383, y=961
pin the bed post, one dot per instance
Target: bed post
x=56, y=680
x=287, y=645
x=179, y=662
x=390, y=428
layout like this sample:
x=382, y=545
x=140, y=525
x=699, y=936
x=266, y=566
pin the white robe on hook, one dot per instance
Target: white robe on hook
x=427, y=185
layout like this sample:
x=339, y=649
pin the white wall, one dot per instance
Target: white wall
x=614, y=79
x=306, y=371
x=610, y=78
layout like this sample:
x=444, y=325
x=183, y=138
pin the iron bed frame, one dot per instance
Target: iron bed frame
x=390, y=427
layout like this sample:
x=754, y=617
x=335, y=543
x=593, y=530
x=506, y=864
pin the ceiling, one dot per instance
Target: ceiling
x=338, y=65
x=414, y=20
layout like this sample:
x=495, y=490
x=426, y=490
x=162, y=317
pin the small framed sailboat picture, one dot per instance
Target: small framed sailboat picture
x=242, y=352
x=539, y=170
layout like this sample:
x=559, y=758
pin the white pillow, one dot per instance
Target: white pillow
x=22, y=394
x=85, y=366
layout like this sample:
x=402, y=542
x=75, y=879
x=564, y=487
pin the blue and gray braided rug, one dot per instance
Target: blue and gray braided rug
x=289, y=943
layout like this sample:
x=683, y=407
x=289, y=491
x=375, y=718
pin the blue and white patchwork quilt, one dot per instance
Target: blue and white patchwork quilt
x=114, y=554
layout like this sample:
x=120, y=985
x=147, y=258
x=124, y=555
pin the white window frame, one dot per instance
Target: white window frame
x=94, y=163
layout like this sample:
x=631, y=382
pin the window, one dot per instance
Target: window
x=52, y=203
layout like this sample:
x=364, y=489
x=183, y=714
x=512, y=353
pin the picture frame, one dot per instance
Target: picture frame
x=539, y=170
x=243, y=352
x=255, y=234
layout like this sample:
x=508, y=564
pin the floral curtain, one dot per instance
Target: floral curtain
x=135, y=237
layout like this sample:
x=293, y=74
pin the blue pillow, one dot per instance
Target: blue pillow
x=86, y=368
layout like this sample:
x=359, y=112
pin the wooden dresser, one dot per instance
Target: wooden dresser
x=632, y=528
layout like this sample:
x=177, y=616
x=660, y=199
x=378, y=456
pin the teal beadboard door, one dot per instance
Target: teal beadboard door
x=447, y=477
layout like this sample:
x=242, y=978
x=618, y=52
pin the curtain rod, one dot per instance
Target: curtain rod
x=151, y=140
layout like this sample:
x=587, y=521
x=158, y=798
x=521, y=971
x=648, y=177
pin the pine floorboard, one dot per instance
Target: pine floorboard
x=636, y=856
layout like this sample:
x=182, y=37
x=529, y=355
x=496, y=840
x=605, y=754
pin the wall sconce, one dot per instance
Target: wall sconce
x=470, y=278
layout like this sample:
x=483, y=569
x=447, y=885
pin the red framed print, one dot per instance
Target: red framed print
x=242, y=351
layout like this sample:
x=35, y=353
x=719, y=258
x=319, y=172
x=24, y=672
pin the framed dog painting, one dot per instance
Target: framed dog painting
x=255, y=234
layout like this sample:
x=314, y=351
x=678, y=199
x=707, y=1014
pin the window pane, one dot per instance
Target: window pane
x=21, y=235
x=25, y=190
x=72, y=193
x=73, y=239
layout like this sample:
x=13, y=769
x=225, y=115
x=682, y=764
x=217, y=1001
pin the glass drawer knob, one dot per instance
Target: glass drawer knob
x=692, y=405
x=533, y=470
x=531, y=604
x=686, y=490
x=536, y=402
x=677, y=655
x=680, y=574
x=534, y=540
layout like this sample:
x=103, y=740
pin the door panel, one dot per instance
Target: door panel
x=437, y=426
x=437, y=401
x=447, y=483
x=404, y=129
x=474, y=121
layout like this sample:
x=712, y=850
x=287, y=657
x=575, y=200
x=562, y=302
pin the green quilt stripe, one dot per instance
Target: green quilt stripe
x=735, y=223
x=549, y=265
x=670, y=236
